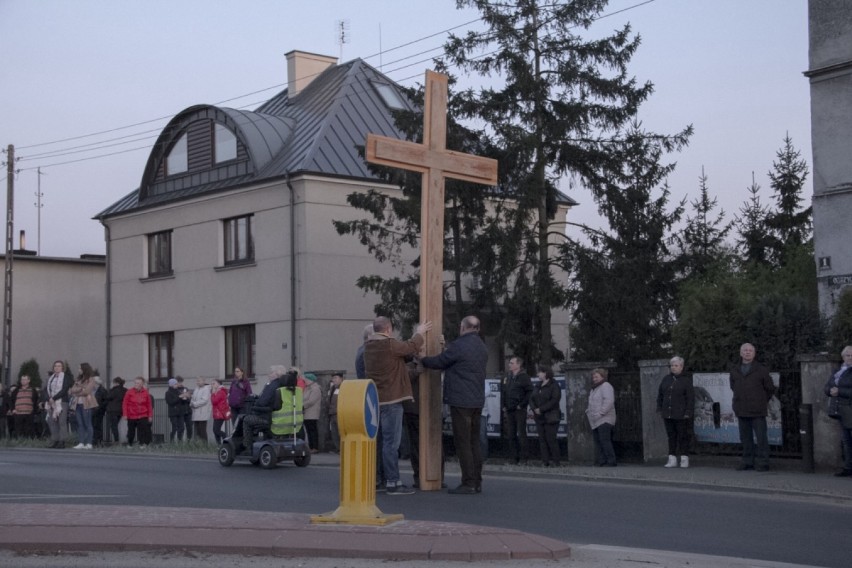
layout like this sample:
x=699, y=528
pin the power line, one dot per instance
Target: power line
x=108, y=142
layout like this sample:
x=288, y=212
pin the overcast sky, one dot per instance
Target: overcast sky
x=731, y=68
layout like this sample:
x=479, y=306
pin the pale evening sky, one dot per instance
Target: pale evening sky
x=732, y=68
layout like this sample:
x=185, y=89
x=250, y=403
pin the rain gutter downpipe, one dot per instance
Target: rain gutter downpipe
x=292, y=271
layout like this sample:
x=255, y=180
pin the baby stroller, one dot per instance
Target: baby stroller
x=275, y=444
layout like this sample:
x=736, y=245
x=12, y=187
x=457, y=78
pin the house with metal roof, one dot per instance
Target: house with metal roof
x=226, y=254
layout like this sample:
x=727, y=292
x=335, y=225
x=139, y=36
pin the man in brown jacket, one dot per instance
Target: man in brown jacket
x=384, y=360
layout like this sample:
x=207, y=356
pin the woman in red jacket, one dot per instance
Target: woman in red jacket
x=221, y=408
x=139, y=411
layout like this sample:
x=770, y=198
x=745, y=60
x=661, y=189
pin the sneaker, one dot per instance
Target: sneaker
x=87, y=447
x=79, y=446
x=684, y=461
x=399, y=489
x=672, y=462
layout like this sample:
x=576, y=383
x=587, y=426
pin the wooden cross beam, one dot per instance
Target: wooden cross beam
x=435, y=162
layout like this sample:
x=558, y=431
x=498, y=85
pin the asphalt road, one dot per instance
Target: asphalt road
x=773, y=528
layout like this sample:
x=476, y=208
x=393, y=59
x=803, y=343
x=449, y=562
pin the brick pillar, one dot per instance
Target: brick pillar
x=578, y=377
x=816, y=370
x=654, y=442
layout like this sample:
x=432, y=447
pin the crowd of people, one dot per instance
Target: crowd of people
x=81, y=407
x=396, y=366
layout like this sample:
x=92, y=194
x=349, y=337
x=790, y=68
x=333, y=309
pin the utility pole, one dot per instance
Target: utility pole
x=38, y=205
x=7, y=288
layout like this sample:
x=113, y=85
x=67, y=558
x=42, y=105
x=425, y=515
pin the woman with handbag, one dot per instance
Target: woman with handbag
x=839, y=390
x=545, y=406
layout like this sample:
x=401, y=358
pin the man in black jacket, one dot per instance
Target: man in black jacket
x=752, y=388
x=515, y=398
x=463, y=363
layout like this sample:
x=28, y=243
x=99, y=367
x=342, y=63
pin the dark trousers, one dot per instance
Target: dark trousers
x=604, y=452
x=24, y=426
x=178, y=428
x=334, y=431
x=547, y=442
x=751, y=427
x=466, y=439
x=516, y=432
x=677, y=432
x=313, y=434
x=187, y=426
x=114, y=419
x=98, y=427
x=254, y=423
x=143, y=426
x=846, y=437
x=200, y=429
x=217, y=429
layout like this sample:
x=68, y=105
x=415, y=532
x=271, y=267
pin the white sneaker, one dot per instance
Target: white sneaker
x=88, y=447
x=672, y=462
x=684, y=461
x=79, y=446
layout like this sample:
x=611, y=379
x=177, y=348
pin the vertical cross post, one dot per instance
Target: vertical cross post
x=435, y=163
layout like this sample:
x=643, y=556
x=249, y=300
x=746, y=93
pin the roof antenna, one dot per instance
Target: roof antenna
x=342, y=33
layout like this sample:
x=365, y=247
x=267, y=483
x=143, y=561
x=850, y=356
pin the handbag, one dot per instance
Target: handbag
x=834, y=407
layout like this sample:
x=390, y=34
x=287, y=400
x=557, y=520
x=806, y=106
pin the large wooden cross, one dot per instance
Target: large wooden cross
x=435, y=162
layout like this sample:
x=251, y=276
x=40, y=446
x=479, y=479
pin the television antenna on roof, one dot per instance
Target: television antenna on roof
x=341, y=30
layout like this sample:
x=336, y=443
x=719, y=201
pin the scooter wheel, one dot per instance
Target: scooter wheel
x=267, y=458
x=303, y=461
x=227, y=452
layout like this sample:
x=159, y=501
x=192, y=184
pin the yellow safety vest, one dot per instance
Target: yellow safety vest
x=289, y=419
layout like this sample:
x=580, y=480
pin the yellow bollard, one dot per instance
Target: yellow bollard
x=358, y=422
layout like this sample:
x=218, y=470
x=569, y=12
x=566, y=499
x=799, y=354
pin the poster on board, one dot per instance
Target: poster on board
x=714, y=414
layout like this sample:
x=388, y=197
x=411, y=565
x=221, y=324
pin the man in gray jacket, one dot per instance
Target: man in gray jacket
x=752, y=388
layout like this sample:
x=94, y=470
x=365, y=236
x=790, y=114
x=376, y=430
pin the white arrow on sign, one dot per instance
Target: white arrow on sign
x=374, y=415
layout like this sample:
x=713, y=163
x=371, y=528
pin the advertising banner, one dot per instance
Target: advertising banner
x=714, y=414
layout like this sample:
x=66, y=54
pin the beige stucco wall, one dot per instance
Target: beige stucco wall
x=58, y=312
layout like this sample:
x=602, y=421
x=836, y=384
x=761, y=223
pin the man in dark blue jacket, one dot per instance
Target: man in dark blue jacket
x=260, y=417
x=463, y=363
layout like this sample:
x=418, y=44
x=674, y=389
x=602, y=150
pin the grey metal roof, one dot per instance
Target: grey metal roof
x=316, y=131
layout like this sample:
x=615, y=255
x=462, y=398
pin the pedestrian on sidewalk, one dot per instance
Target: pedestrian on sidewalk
x=463, y=363
x=545, y=406
x=240, y=389
x=178, y=403
x=516, y=390
x=839, y=390
x=601, y=415
x=333, y=397
x=115, y=400
x=385, y=363
x=753, y=387
x=56, y=406
x=23, y=406
x=311, y=405
x=201, y=408
x=138, y=409
x=221, y=409
x=676, y=404
x=82, y=392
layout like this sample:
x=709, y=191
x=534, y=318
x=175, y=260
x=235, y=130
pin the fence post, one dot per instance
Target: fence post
x=806, y=431
x=816, y=369
x=654, y=440
x=578, y=378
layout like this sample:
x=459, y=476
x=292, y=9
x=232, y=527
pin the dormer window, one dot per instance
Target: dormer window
x=225, y=144
x=177, y=161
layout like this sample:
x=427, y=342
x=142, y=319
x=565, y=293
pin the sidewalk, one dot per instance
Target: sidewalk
x=28, y=528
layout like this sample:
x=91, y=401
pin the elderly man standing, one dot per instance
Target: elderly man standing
x=752, y=388
x=384, y=359
x=463, y=363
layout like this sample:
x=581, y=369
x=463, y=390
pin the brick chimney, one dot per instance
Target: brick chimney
x=304, y=67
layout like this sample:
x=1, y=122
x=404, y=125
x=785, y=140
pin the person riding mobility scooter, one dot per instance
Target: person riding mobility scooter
x=266, y=433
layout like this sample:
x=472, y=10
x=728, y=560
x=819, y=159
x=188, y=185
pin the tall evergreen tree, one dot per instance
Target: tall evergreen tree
x=703, y=238
x=561, y=110
x=627, y=280
x=753, y=237
x=789, y=222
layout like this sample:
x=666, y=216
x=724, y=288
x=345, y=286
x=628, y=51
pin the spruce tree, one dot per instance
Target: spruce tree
x=703, y=238
x=789, y=222
x=753, y=237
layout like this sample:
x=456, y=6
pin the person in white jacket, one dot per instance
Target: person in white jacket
x=601, y=415
x=201, y=408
